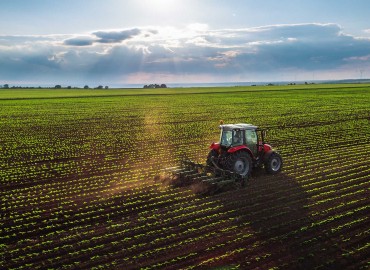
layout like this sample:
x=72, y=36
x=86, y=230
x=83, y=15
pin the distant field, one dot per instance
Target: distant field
x=59, y=93
x=77, y=171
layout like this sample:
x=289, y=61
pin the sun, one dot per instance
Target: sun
x=162, y=12
x=161, y=3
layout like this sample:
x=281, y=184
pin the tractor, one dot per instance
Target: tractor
x=241, y=148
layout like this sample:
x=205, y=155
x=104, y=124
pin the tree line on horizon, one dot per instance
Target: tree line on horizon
x=58, y=86
x=155, y=86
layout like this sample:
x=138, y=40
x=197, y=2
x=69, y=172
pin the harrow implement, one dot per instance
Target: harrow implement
x=204, y=179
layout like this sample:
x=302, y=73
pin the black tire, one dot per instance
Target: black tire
x=274, y=163
x=241, y=163
x=213, y=153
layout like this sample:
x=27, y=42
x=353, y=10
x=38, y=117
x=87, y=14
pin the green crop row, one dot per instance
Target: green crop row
x=78, y=172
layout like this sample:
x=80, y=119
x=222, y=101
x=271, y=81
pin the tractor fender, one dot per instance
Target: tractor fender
x=267, y=147
x=215, y=146
x=240, y=148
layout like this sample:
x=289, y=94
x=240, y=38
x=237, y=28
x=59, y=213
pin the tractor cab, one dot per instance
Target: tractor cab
x=237, y=135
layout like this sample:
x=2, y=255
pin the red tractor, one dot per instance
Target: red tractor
x=242, y=147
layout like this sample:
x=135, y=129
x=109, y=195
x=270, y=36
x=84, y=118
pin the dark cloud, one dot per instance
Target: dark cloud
x=106, y=37
x=118, y=60
x=24, y=64
x=116, y=36
x=79, y=41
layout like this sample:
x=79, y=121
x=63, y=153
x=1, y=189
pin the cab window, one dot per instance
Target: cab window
x=251, y=139
x=237, y=137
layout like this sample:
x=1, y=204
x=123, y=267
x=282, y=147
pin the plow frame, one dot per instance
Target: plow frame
x=213, y=178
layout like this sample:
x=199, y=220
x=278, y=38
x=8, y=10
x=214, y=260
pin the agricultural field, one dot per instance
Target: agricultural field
x=80, y=188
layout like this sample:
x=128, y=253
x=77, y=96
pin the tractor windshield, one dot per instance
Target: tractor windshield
x=231, y=137
x=226, y=137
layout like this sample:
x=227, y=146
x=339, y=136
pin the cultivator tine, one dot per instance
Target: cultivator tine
x=205, y=179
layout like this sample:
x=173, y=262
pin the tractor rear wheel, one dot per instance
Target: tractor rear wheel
x=240, y=163
x=274, y=163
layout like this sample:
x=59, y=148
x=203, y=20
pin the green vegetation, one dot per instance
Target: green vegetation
x=78, y=168
x=64, y=93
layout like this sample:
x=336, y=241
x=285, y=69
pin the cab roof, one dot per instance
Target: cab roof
x=240, y=126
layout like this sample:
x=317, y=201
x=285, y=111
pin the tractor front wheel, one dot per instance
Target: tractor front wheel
x=240, y=163
x=274, y=163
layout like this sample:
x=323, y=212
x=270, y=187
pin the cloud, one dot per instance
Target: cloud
x=79, y=41
x=109, y=36
x=192, y=52
x=116, y=36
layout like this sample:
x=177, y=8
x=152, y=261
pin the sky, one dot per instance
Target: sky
x=122, y=42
